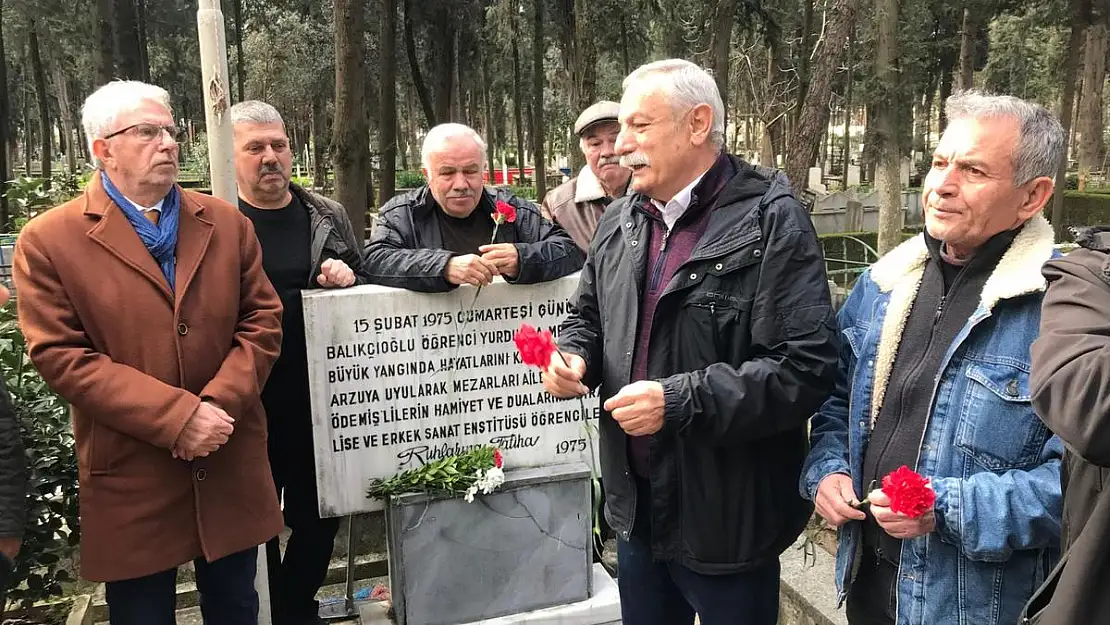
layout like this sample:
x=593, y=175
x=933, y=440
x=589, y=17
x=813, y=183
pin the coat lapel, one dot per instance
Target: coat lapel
x=116, y=234
x=193, y=236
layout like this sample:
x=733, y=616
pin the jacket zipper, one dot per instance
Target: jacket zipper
x=974, y=321
x=657, y=271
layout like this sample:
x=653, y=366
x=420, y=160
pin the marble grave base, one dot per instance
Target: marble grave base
x=603, y=608
x=525, y=547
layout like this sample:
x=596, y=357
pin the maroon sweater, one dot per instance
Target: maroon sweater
x=666, y=253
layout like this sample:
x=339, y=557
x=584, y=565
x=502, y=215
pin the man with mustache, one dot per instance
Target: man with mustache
x=146, y=308
x=307, y=242
x=578, y=203
x=934, y=375
x=704, y=315
x=440, y=236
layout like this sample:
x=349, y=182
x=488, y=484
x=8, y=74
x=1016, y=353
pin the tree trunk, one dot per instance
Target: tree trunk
x=945, y=93
x=319, y=147
x=240, y=60
x=144, y=51
x=1089, y=119
x=804, y=63
x=414, y=66
x=538, y=134
x=583, y=69
x=65, y=118
x=518, y=99
x=887, y=181
x=722, y=40
x=387, y=113
x=1079, y=16
x=445, y=57
x=129, y=59
x=846, y=156
x=44, y=108
x=350, y=148
x=814, y=118
x=967, y=50
x=5, y=132
x=105, y=54
x=27, y=133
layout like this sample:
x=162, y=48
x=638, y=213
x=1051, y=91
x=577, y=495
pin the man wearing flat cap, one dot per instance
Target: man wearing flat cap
x=578, y=203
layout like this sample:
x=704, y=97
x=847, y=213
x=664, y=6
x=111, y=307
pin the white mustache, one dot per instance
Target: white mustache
x=608, y=160
x=459, y=194
x=634, y=159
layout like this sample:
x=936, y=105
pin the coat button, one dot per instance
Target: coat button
x=719, y=267
x=634, y=243
x=693, y=276
x=201, y=474
x=182, y=329
x=1012, y=388
x=628, y=225
x=757, y=253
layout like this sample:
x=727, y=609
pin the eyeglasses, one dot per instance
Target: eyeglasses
x=150, y=132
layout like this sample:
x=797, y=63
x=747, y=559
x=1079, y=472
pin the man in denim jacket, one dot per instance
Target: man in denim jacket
x=934, y=374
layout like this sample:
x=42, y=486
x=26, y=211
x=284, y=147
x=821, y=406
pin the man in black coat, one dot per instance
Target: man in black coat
x=441, y=235
x=703, y=314
x=13, y=484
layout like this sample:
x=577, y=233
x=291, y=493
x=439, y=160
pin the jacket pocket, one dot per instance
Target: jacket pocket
x=101, y=450
x=997, y=427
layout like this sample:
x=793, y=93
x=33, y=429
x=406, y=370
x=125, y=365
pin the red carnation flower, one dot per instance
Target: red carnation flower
x=504, y=212
x=909, y=493
x=497, y=459
x=536, y=348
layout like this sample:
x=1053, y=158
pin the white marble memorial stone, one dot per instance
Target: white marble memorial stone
x=400, y=378
x=853, y=176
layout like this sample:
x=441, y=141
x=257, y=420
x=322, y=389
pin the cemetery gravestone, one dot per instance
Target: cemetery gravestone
x=400, y=378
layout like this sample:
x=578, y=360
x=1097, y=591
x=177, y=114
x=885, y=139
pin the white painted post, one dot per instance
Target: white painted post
x=216, y=87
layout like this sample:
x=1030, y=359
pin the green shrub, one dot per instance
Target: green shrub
x=53, y=531
x=409, y=179
x=522, y=191
x=1084, y=209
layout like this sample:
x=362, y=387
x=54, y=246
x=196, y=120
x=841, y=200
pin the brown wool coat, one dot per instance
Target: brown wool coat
x=134, y=360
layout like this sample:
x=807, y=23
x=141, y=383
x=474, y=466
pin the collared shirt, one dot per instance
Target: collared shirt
x=145, y=209
x=674, y=209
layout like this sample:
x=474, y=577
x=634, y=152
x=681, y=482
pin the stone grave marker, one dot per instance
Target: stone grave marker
x=400, y=378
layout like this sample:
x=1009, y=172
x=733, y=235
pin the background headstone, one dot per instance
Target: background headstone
x=400, y=378
x=853, y=175
x=815, y=180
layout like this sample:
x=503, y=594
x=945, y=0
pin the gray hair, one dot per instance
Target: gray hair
x=1040, y=148
x=442, y=133
x=114, y=99
x=686, y=86
x=255, y=112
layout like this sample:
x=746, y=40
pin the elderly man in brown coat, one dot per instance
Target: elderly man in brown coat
x=578, y=203
x=145, y=306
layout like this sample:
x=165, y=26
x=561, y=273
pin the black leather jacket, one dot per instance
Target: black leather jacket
x=745, y=346
x=405, y=250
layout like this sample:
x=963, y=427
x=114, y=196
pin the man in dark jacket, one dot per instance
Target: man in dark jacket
x=307, y=241
x=442, y=235
x=13, y=484
x=1070, y=385
x=704, y=316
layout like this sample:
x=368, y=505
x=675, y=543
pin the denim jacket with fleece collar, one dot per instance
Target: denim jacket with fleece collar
x=993, y=464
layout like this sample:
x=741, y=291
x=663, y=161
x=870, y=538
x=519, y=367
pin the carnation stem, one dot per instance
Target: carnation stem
x=594, y=480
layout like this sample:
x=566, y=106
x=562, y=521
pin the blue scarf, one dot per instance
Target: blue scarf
x=161, y=239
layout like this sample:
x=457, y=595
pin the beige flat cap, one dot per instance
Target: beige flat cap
x=604, y=111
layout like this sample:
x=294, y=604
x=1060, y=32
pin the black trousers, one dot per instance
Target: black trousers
x=872, y=599
x=226, y=587
x=6, y=567
x=296, y=576
x=665, y=593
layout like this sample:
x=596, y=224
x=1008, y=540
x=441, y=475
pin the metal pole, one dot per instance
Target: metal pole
x=216, y=86
x=214, y=74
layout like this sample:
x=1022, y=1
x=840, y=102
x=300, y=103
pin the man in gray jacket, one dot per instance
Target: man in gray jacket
x=13, y=484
